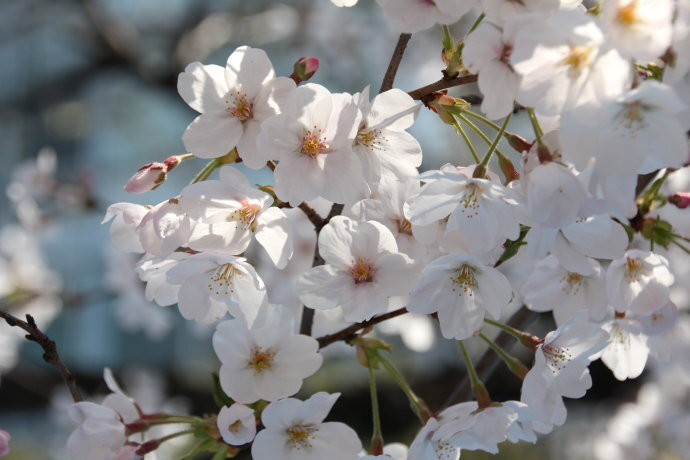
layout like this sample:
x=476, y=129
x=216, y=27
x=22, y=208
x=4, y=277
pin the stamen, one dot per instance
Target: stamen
x=577, y=60
x=556, y=357
x=371, y=139
x=465, y=279
x=572, y=282
x=469, y=206
x=235, y=427
x=404, y=226
x=260, y=359
x=300, y=437
x=246, y=215
x=222, y=279
x=313, y=143
x=627, y=15
x=238, y=106
x=362, y=270
x=634, y=269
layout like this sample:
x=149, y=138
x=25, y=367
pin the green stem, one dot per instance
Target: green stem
x=526, y=339
x=492, y=148
x=458, y=126
x=418, y=406
x=514, y=364
x=448, y=42
x=535, y=124
x=682, y=246
x=476, y=23
x=377, y=436
x=684, y=238
x=482, y=118
x=478, y=388
x=208, y=170
x=478, y=130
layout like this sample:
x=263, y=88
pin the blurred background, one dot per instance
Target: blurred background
x=88, y=95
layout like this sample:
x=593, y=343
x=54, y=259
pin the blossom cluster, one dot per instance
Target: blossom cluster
x=571, y=232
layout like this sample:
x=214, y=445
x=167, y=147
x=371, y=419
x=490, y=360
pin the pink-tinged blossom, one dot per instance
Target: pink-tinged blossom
x=265, y=361
x=228, y=213
x=363, y=270
x=233, y=102
x=462, y=290
x=151, y=175
x=212, y=285
x=236, y=424
x=639, y=282
x=564, y=62
x=296, y=430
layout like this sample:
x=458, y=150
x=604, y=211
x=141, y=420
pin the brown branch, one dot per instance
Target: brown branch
x=443, y=83
x=489, y=361
x=394, y=63
x=350, y=332
x=50, y=353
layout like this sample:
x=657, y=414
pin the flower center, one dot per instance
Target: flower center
x=260, y=359
x=627, y=15
x=404, y=226
x=556, y=357
x=469, y=206
x=313, y=143
x=238, y=106
x=300, y=437
x=465, y=280
x=371, y=139
x=222, y=279
x=235, y=427
x=631, y=117
x=362, y=271
x=505, y=54
x=576, y=60
x=634, y=269
x=572, y=283
x=246, y=215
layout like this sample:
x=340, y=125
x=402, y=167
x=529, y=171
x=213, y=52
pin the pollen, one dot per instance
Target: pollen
x=634, y=269
x=470, y=204
x=301, y=437
x=557, y=357
x=238, y=106
x=572, y=282
x=313, y=143
x=371, y=139
x=222, y=279
x=464, y=280
x=627, y=15
x=260, y=359
x=246, y=215
x=404, y=226
x=235, y=426
x=577, y=59
x=362, y=270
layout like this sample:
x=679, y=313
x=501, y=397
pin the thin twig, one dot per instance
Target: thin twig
x=443, y=83
x=394, y=63
x=350, y=332
x=50, y=353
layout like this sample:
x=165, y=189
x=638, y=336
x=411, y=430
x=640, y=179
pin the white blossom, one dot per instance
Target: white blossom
x=237, y=424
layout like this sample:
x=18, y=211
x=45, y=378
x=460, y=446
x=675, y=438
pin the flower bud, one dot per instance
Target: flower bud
x=517, y=142
x=4, y=443
x=680, y=199
x=304, y=69
x=507, y=168
x=151, y=175
x=446, y=106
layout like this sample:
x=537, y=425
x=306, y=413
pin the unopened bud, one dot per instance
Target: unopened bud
x=508, y=168
x=150, y=176
x=680, y=199
x=5, y=439
x=452, y=58
x=446, y=106
x=517, y=142
x=304, y=69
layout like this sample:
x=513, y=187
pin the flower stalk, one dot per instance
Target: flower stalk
x=481, y=394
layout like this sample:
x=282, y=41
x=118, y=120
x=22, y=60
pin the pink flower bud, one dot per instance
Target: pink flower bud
x=680, y=199
x=4, y=443
x=150, y=176
x=304, y=69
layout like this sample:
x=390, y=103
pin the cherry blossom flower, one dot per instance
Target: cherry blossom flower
x=639, y=282
x=295, y=430
x=153, y=271
x=500, y=12
x=125, y=219
x=213, y=284
x=485, y=213
x=265, y=361
x=639, y=29
x=5, y=439
x=100, y=434
x=487, y=51
x=237, y=424
x=164, y=228
x=233, y=103
x=563, y=62
x=363, y=270
x=228, y=212
x=412, y=16
x=561, y=369
x=627, y=350
x=426, y=447
x=462, y=290
x=382, y=144
x=635, y=132
x=312, y=140
x=555, y=197
x=551, y=287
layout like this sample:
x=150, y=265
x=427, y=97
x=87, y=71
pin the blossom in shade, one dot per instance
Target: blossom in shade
x=237, y=424
x=233, y=102
x=296, y=430
x=265, y=361
x=363, y=270
x=462, y=290
x=639, y=282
